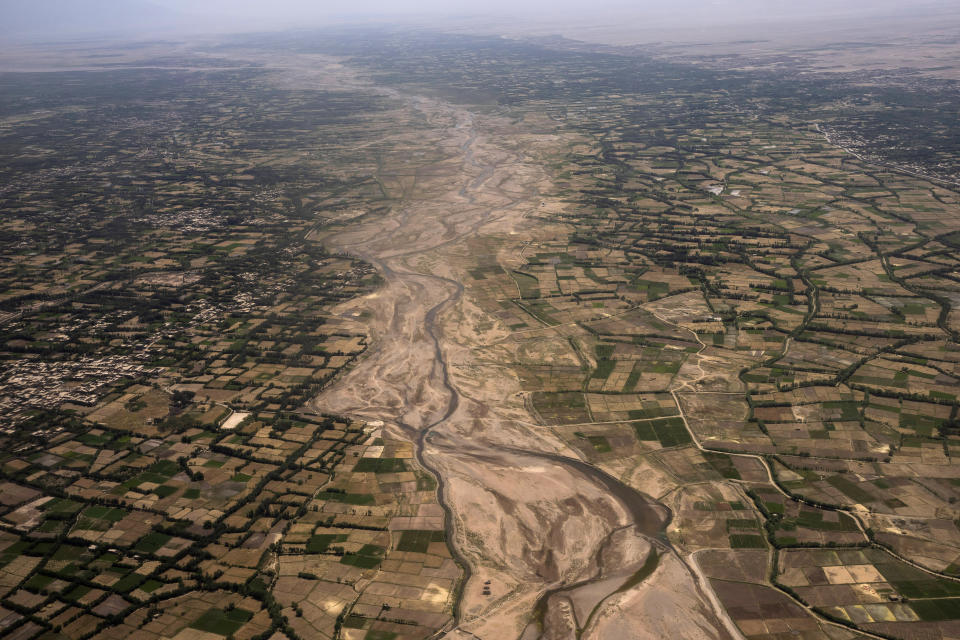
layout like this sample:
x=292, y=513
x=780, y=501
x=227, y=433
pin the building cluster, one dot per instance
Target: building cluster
x=34, y=384
x=198, y=220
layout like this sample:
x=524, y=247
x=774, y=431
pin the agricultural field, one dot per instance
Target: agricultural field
x=743, y=303
x=167, y=319
x=200, y=510
x=318, y=336
x=871, y=590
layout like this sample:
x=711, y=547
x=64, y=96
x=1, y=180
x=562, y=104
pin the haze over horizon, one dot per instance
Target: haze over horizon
x=37, y=20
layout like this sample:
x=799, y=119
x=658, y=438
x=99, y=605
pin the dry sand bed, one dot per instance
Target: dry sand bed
x=523, y=521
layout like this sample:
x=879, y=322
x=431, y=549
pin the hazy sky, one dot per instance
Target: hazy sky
x=32, y=19
x=680, y=10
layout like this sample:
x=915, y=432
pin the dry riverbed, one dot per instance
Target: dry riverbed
x=549, y=544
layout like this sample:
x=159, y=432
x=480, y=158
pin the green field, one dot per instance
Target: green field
x=419, y=541
x=224, y=623
x=381, y=465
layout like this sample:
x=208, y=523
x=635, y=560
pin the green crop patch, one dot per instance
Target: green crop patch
x=644, y=430
x=38, y=582
x=425, y=482
x=671, y=432
x=353, y=621
x=361, y=562
x=62, y=507
x=368, y=557
x=633, y=378
x=937, y=610
x=220, y=622
x=152, y=542
x=815, y=520
x=95, y=440
x=651, y=412
x=68, y=552
x=77, y=592
x=722, y=463
x=653, y=288
x=923, y=425
x=360, y=499
x=150, y=586
x=164, y=468
x=915, y=584
x=600, y=444
x=528, y=285
x=849, y=410
x=381, y=465
x=419, y=541
x=319, y=543
x=128, y=583
x=747, y=541
x=604, y=351
x=851, y=489
x=165, y=491
x=604, y=369
x=104, y=513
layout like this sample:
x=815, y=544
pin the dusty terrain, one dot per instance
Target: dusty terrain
x=526, y=516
